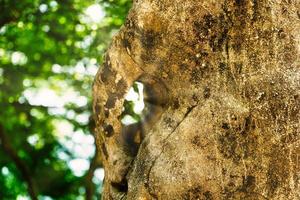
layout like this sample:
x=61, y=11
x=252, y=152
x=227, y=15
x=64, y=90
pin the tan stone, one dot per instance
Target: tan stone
x=225, y=79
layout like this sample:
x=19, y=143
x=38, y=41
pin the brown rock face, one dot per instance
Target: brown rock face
x=223, y=80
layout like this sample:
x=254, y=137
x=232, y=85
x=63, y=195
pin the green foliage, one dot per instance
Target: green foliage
x=49, y=53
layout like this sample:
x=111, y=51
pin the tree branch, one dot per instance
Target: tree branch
x=20, y=164
x=89, y=185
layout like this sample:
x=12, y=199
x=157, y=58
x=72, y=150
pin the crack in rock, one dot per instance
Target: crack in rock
x=190, y=109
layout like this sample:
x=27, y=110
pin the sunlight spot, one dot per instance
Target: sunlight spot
x=95, y=13
x=18, y=58
x=79, y=68
x=98, y=176
x=5, y=171
x=56, y=68
x=45, y=198
x=2, y=52
x=46, y=28
x=43, y=8
x=127, y=120
x=92, y=70
x=94, y=27
x=57, y=111
x=37, y=113
x=79, y=28
x=22, y=197
x=83, y=145
x=43, y=96
x=36, y=141
x=63, y=128
x=20, y=24
x=62, y=20
x=91, y=66
x=78, y=136
x=83, y=118
x=78, y=143
x=84, y=151
x=93, y=61
x=71, y=114
x=87, y=41
x=33, y=139
x=132, y=95
x=1, y=76
x=81, y=101
x=63, y=156
x=53, y=3
x=3, y=29
x=79, y=166
x=27, y=82
x=52, y=98
x=139, y=105
x=81, y=190
x=22, y=100
x=134, y=103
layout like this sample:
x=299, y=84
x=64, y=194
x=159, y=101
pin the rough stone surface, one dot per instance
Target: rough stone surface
x=223, y=78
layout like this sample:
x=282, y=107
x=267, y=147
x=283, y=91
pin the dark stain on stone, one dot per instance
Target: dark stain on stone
x=278, y=172
x=206, y=92
x=247, y=125
x=183, y=66
x=122, y=86
x=238, y=67
x=107, y=71
x=196, y=141
x=106, y=113
x=149, y=39
x=169, y=122
x=281, y=34
x=248, y=184
x=222, y=67
x=255, y=9
x=225, y=126
x=273, y=181
x=228, y=146
x=110, y=103
x=216, y=42
x=193, y=193
x=234, y=117
x=148, y=57
x=222, y=39
x=176, y=104
x=108, y=130
x=208, y=195
x=104, y=150
x=126, y=43
x=196, y=193
x=196, y=75
x=240, y=2
x=98, y=108
x=202, y=28
x=213, y=30
x=195, y=97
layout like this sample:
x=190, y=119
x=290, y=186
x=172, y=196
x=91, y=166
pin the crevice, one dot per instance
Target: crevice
x=229, y=23
x=120, y=187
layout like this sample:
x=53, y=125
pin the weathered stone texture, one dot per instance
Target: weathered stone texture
x=225, y=79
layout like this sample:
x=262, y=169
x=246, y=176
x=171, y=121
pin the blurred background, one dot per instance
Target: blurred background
x=50, y=51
